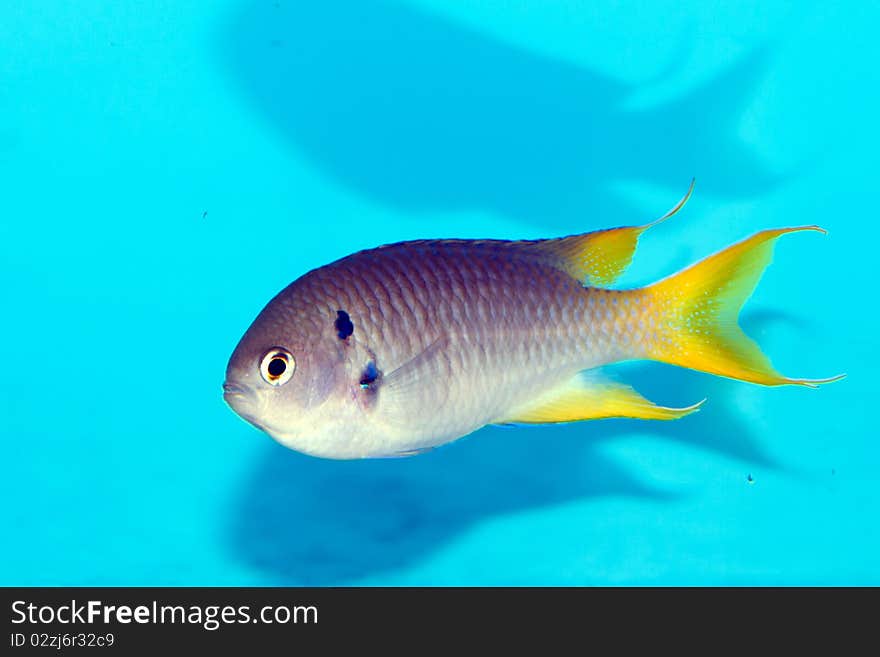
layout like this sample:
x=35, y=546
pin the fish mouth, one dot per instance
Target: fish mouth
x=249, y=405
x=242, y=400
x=233, y=390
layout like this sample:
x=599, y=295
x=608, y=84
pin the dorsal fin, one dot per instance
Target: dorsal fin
x=600, y=257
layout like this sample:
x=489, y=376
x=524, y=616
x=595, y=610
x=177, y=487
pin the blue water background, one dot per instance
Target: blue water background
x=167, y=167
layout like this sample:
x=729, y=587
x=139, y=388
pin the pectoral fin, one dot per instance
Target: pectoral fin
x=591, y=397
x=428, y=364
x=402, y=391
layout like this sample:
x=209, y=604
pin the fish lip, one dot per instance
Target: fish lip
x=241, y=399
x=246, y=402
x=233, y=389
x=238, y=397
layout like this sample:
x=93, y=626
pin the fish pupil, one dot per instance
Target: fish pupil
x=277, y=366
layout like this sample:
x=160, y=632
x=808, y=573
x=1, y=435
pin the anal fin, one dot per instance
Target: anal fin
x=590, y=397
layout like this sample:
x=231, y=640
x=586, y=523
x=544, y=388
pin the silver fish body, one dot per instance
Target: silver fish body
x=459, y=332
x=398, y=349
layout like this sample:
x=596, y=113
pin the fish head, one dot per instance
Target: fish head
x=286, y=376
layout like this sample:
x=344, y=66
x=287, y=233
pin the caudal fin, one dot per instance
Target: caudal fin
x=696, y=312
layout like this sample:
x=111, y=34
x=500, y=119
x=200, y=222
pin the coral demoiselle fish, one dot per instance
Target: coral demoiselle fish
x=398, y=349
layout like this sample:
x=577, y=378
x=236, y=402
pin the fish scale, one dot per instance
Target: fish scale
x=521, y=321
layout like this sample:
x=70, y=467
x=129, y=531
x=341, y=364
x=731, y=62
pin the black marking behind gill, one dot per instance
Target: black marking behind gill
x=344, y=327
x=369, y=376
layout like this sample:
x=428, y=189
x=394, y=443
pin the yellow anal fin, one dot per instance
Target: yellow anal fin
x=592, y=398
x=600, y=257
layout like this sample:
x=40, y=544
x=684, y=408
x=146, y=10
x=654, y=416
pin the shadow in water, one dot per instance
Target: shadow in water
x=419, y=113
x=310, y=521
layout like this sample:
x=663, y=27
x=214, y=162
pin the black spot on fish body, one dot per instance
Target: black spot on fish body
x=343, y=324
x=369, y=376
x=369, y=386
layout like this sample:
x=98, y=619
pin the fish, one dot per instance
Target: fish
x=396, y=350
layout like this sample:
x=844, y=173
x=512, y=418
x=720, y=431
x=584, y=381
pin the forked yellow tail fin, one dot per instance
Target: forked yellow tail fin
x=696, y=310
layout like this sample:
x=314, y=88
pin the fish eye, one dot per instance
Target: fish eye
x=277, y=366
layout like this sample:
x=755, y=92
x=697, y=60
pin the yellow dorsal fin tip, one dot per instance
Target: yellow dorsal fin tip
x=598, y=258
x=678, y=206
